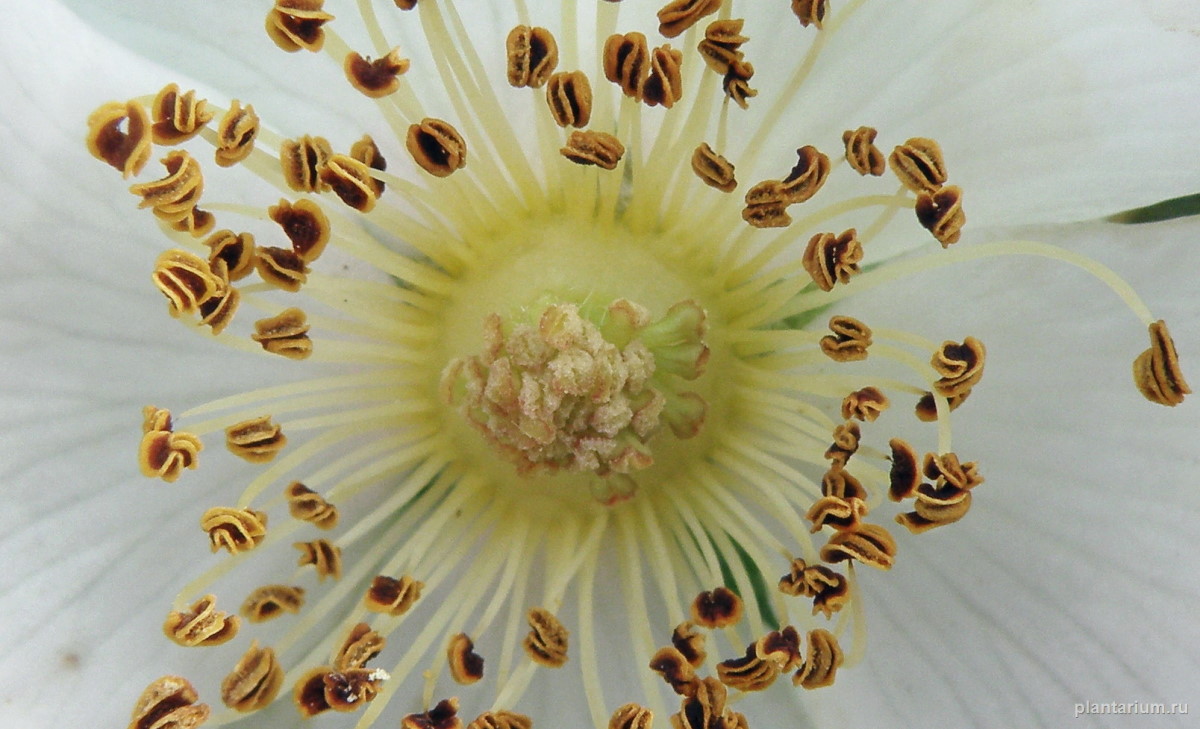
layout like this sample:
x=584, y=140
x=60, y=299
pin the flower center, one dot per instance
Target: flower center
x=560, y=373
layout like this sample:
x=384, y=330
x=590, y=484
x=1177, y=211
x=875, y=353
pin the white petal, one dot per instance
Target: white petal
x=1046, y=111
x=90, y=546
x=1069, y=581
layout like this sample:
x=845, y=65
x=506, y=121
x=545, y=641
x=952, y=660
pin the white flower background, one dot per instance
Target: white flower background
x=1073, y=580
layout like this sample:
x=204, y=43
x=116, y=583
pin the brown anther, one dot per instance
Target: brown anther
x=717, y=608
x=185, y=279
x=164, y=454
x=359, y=648
x=376, y=78
x=236, y=133
x=178, y=117
x=307, y=505
x=235, y=530
x=865, y=404
x=168, y=702
x=366, y=151
x=254, y=682
x=532, y=56
x=829, y=590
x=155, y=418
x=903, y=475
x=271, y=601
x=466, y=666
x=831, y=259
x=838, y=482
x=501, y=720
x=174, y=195
x=218, y=311
x=690, y=642
x=808, y=176
x=870, y=544
x=569, y=96
x=919, y=165
x=721, y=44
x=664, y=85
x=781, y=647
x=257, y=440
x=929, y=515
x=282, y=268
x=1156, y=371
x=323, y=555
x=631, y=716
x=713, y=169
x=296, y=24
x=285, y=334
x=707, y=709
x=834, y=511
x=959, y=365
x=436, y=147
x=351, y=181
x=392, y=596
x=324, y=688
x=766, y=205
x=194, y=221
x=926, y=408
x=406, y=4
x=201, y=625
x=676, y=670
x=849, y=341
x=845, y=443
x=737, y=83
x=546, y=642
x=128, y=149
x=748, y=673
x=946, y=470
x=442, y=716
x=862, y=154
x=626, y=60
x=302, y=161
x=679, y=15
x=822, y=662
x=305, y=225
x=810, y=12
x=941, y=213
x=594, y=148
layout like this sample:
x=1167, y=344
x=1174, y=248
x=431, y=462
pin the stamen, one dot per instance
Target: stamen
x=235, y=530
x=713, y=169
x=323, y=555
x=547, y=640
x=270, y=601
x=822, y=661
x=376, y=78
x=861, y=152
x=169, y=701
x=235, y=135
x=202, y=624
x=437, y=147
x=285, y=334
x=296, y=24
x=178, y=117
x=532, y=56
x=129, y=150
x=569, y=95
x=1156, y=371
x=256, y=441
x=254, y=682
x=810, y=12
x=679, y=15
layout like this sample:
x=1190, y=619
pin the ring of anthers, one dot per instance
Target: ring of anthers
x=563, y=389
